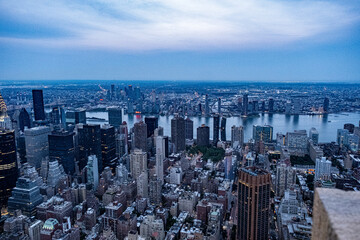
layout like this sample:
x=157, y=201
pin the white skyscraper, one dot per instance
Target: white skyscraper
x=322, y=169
x=138, y=163
x=160, y=156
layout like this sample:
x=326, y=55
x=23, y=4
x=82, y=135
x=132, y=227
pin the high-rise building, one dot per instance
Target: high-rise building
x=25, y=197
x=237, y=136
x=216, y=128
x=92, y=171
x=140, y=135
x=263, y=133
x=155, y=186
x=322, y=169
x=207, y=108
x=38, y=104
x=245, y=104
x=314, y=135
x=115, y=116
x=285, y=177
x=253, y=203
x=61, y=148
x=55, y=115
x=178, y=133
x=326, y=104
x=5, y=121
x=219, y=105
x=203, y=136
x=108, y=146
x=138, y=163
x=152, y=124
x=223, y=129
x=189, y=129
x=76, y=116
x=8, y=164
x=24, y=119
x=142, y=185
x=350, y=127
x=160, y=157
x=297, y=141
x=89, y=136
x=342, y=137
x=37, y=145
x=296, y=105
x=55, y=173
x=271, y=105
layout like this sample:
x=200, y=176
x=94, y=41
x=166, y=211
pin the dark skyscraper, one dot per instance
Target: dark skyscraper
x=216, y=128
x=178, y=133
x=253, y=203
x=326, y=104
x=38, y=104
x=263, y=133
x=115, y=116
x=24, y=119
x=245, y=104
x=189, y=128
x=61, y=148
x=271, y=105
x=108, y=146
x=55, y=114
x=8, y=165
x=76, y=116
x=350, y=127
x=89, y=144
x=140, y=136
x=223, y=129
x=219, y=105
x=203, y=135
x=152, y=124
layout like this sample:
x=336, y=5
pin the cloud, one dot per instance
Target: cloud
x=140, y=25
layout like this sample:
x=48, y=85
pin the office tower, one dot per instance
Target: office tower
x=5, y=121
x=138, y=163
x=229, y=164
x=24, y=119
x=271, y=105
x=108, y=146
x=115, y=116
x=63, y=117
x=55, y=173
x=285, y=177
x=297, y=105
x=326, y=104
x=140, y=135
x=92, y=171
x=142, y=185
x=322, y=169
x=350, y=127
x=237, y=136
x=155, y=186
x=122, y=174
x=55, y=115
x=37, y=145
x=263, y=133
x=166, y=139
x=76, y=116
x=61, y=148
x=130, y=106
x=112, y=91
x=253, y=203
x=297, y=141
x=89, y=136
x=314, y=135
x=245, y=104
x=207, y=108
x=178, y=133
x=203, y=136
x=216, y=128
x=160, y=157
x=219, y=105
x=189, y=129
x=223, y=129
x=152, y=124
x=38, y=104
x=342, y=137
x=8, y=164
x=25, y=197
x=122, y=140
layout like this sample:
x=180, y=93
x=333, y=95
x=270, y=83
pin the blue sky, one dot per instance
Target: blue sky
x=253, y=40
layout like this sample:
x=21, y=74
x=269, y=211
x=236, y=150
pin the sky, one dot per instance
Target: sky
x=198, y=40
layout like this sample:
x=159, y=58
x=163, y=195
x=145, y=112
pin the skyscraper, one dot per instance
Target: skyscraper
x=189, y=129
x=38, y=104
x=37, y=145
x=245, y=104
x=263, y=133
x=342, y=137
x=108, y=146
x=203, y=135
x=216, y=128
x=138, y=163
x=8, y=164
x=253, y=203
x=55, y=115
x=178, y=133
x=92, y=171
x=160, y=156
x=223, y=129
x=322, y=169
x=207, y=108
x=115, y=116
x=271, y=105
x=24, y=119
x=237, y=136
x=219, y=105
x=89, y=144
x=152, y=124
x=76, y=116
x=140, y=135
x=5, y=121
x=314, y=135
x=61, y=148
x=285, y=177
x=326, y=104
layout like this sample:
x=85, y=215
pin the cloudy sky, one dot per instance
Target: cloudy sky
x=245, y=40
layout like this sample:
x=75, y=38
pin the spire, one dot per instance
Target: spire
x=3, y=108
